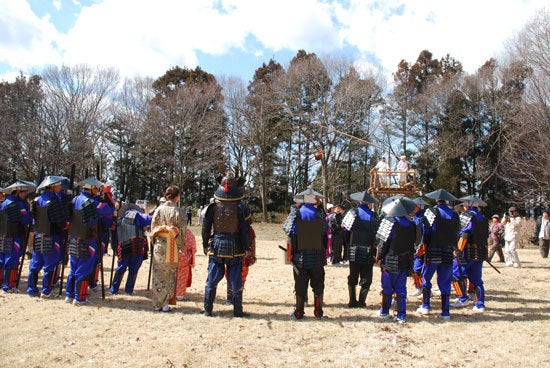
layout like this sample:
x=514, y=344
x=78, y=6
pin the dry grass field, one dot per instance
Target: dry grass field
x=123, y=331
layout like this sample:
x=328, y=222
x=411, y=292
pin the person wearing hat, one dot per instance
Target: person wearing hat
x=226, y=240
x=106, y=211
x=50, y=218
x=361, y=224
x=131, y=247
x=307, y=229
x=15, y=220
x=512, y=227
x=402, y=168
x=496, y=237
x=396, y=236
x=470, y=253
x=83, y=241
x=440, y=234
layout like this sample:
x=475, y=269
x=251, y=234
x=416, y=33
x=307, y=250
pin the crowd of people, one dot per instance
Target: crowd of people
x=408, y=238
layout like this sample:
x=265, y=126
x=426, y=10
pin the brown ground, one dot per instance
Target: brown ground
x=122, y=331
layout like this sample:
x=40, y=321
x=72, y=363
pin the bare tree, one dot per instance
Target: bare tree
x=75, y=112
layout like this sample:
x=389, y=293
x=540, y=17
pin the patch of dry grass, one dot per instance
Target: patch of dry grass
x=122, y=331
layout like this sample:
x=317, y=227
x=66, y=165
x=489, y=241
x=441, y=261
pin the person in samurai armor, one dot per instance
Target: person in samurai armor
x=15, y=220
x=106, y=209
x=440, y=236
x=471, y=252
x=83, y=241
x=361, y=223
x=396, y=236
x=226, y=240
x=132, y=246
x=50, y=218
x=418, y=260
x=307, y=229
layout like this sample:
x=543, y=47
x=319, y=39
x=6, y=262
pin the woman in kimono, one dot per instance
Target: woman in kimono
x=168, y=231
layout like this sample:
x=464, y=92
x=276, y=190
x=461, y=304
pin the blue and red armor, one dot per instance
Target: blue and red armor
x=16, y=219
x=105, y=211
x=50, y=219
x=130, y=249
x=83, y=245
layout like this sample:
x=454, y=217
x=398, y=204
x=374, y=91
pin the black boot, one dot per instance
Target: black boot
x=299, y=308
x=229, y=300
x=238, y=306
x=363, y=297
x=352, y=297
x=209, y=296
x=318, y=308
x=385, y=306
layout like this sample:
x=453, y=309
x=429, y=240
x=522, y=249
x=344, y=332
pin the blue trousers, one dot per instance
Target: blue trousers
x=46, y=262
x=395, y=282
x=11, y=261
x=80, y=274
x=474, y=270
x=132, y=263
x=444, y=278
x=216, y=271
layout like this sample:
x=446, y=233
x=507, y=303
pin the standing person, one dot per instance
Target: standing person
x=512, y=227
x=226, y=240
x=402, y=167
x=199, y=215
x=307, y=229
x=440, y=235
x=168, y=227
x=15, y=220
x=83, y=243
x=383, y=167
x=496, y=238
x=337, y=234
x=131, y=248
x=361, y=223
x=418, y=259
x=106, y=223
x=186, y=263
x=542, y=234
x=472, y=248
x=189, y=215
x=50, y=218
x=396, y=236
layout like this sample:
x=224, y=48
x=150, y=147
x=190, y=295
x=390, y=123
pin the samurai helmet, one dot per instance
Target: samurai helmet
x=231, y=186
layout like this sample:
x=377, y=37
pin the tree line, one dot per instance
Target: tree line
x=318, y=121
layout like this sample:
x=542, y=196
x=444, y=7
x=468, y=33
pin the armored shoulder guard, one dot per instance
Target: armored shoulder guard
x=465, y=218
x=287, y=226
x=13, y=212
x=349, y=219
x=130, y=217
x=245, y=210
x=385, y=228
x=89, y=212
x=430, y=215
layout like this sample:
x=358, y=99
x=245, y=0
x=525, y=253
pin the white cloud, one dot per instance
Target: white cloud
x=141, y=37
x=26, y=40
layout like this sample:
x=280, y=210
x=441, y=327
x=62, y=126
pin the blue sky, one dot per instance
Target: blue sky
x=234, y=37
